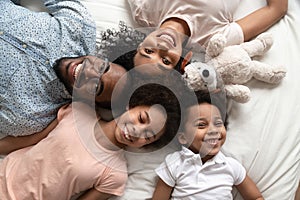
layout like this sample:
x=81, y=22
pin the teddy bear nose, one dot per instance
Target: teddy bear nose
x=205, y=73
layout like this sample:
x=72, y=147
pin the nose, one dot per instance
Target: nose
x=205, y=73
x=213, y=130
x=162, y=46
x=92, y=69
x=114, y=75
x=136, y=132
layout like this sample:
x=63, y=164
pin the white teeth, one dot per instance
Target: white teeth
x=169, y=38
x=76, y=70
x=212, y=141
x=126, y=133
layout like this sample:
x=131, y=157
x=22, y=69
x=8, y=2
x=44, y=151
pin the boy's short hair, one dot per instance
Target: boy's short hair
x=217, y=99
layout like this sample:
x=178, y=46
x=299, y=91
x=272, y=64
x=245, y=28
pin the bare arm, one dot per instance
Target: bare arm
x=162, y=191
x=11, y=143
x=297, y=197
x=248, y=190
x=263, y=18
x=94, y=194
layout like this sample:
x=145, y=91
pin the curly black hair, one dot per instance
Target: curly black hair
x=119, y=46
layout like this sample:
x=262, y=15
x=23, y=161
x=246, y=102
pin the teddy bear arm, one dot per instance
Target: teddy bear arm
x=259, y=45
x=238, y=93
x=267, y=73
x=215, y=46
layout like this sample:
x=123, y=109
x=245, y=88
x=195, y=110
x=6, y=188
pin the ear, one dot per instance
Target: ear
x=185, y=61
x=181, y=138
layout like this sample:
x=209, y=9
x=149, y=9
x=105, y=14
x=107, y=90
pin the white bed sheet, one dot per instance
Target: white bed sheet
x=264, y=134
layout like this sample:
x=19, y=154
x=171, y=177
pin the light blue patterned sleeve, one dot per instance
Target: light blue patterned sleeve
x=68, y=9
x=71, y=21
x=74, y=21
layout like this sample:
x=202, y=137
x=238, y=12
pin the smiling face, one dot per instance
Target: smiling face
x=162, y=47
x=89, y=77
x=140, y=126
x=204, y=130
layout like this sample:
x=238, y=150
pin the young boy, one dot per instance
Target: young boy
x=200, y=170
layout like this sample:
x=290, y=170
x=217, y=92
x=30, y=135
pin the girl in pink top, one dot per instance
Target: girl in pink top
x=84, y=154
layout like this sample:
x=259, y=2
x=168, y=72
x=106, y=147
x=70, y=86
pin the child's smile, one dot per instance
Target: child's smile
x=204, y=132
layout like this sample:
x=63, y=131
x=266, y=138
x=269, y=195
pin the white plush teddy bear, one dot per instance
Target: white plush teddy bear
x=230, y=67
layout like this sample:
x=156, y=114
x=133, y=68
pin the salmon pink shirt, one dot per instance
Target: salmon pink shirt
x=67, y=162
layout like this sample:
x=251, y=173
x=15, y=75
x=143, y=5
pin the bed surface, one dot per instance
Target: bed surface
x=263, y=134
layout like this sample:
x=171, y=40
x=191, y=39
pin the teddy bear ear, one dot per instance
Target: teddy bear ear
x=187, y=58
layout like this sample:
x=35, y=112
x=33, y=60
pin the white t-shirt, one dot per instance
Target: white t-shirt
x=204, y=17
x=193, y=180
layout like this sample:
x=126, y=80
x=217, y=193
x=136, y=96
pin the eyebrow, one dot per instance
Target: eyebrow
x=204, y=119
x=218, y=118
x=199, y=119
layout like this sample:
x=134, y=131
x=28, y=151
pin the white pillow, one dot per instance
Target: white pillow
x=108, y=13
